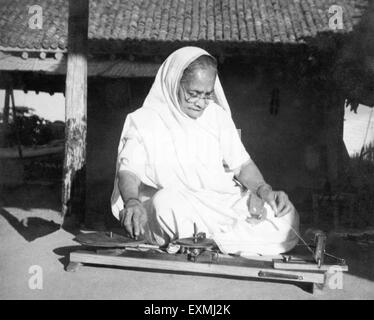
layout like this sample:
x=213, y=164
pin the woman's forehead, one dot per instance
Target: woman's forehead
x=201, y=79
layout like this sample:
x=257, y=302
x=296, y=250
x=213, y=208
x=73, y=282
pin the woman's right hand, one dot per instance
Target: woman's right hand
x=134, y=218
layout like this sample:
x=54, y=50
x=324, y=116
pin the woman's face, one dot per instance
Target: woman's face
x=192, y=91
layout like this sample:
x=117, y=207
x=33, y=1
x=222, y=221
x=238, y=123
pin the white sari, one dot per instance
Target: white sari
x=180, y=162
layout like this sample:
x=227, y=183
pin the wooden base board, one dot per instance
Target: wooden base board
x=225, y=266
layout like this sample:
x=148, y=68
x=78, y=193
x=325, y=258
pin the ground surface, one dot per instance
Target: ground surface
x=39, y=241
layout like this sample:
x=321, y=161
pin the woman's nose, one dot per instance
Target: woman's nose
x=201, y=103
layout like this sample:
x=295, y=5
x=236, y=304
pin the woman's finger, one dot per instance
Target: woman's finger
x=264, y=214
x=271, y=200
x=287, y=210
x=136, y=222
x=128, y=221
x=282, y=200
x=253, y=221
x=143, y=220
x=273, y=205
x=142, y=229
x=122, y=216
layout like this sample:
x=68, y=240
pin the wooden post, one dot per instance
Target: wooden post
x=74, y=175
x=6, y=107
x=16, y=123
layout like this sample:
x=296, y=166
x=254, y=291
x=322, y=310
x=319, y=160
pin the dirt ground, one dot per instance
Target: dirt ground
x=30, y=235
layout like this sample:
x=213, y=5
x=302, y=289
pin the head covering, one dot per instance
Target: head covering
x=163, y=96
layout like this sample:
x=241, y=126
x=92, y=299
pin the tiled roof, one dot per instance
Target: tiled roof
x=285, y=21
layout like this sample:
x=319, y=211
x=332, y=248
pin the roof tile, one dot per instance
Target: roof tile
x=218, y=20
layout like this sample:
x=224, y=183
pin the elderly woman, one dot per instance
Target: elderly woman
x=181, y=162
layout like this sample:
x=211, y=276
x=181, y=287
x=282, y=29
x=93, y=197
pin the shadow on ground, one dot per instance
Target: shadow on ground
x=64, y=253
x=30, y=228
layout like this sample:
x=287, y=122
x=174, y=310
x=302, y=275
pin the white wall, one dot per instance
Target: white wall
x=357, y=127
x=49, y=107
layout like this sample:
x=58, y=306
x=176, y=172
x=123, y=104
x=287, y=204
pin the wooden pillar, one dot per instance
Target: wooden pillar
x=16, y=124
x=6, y=107
x=74, y=172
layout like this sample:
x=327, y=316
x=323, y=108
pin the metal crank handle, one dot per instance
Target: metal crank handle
x=342, y=261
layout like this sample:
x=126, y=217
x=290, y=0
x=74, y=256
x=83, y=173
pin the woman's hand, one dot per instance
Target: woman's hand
x=279, y=202
x=134, y=218
x=256, y=209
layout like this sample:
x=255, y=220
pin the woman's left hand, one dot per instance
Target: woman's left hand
x=279, y=202
x=256, y=209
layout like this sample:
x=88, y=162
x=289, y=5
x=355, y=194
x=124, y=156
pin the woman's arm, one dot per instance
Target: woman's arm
x=128, y=184
x=251, y=178
x=134, y=215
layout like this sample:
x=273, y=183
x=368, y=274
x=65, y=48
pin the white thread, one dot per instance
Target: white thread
x=299, y=236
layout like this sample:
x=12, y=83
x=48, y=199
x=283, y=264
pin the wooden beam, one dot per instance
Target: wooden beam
x=74, y=177
x=29, y=152
x=178, y=263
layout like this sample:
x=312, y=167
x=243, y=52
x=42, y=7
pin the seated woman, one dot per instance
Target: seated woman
x=180, y=159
